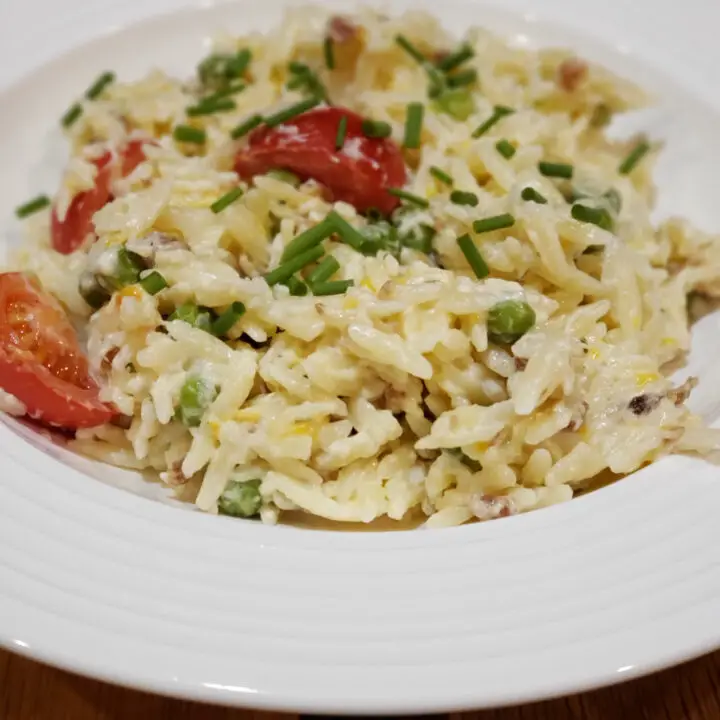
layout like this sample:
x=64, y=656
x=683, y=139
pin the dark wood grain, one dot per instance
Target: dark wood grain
x=30, y=691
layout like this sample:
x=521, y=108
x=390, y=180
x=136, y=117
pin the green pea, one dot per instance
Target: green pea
x=196, y=395
x=241, y=499
x=458, y=103
x=509, y=320
x=193, y=315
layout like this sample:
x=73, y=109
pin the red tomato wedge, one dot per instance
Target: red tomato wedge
x=69, y=234
x=41, y=362
x=359, y=173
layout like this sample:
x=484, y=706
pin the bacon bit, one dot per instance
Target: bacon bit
x=348, y=39
x=341, y=30
x=110, y=355
x=174, y=476
x=122, y=421
x=571, y=73
x=489, y=507
x=680, y=394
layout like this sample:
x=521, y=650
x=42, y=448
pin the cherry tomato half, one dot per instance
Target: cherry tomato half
x=41, y=362
x=359, y=173
x=69, y=234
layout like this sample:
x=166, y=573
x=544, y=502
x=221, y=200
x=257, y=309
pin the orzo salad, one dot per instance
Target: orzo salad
x=358, y=268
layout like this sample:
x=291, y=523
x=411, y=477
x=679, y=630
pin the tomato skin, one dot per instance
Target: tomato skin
x=359, y=173
x=41, y=362
x=70, y=233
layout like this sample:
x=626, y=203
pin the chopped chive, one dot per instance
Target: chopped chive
x=32, y=206
x=419, y=238
x=97, y=88
x=466, y=77
x=348, y=234
x=296, y=287
x=153, y=283
x=206, y=107
x=634, y=157
x=324, y=271
x=225, y=321
x=245, y=127
x=499, y=112
x=225, y=92
x=72, y=115
x=473, y=256
x=505, y=148
x=329, y=52
x=532, y=195
x=596, y=216
x=236, y=66
x=459, y=197
x=287, y=269
x=601, y=116
x=341, y=133
x=376, y=128
x=336, y=287
x=227, y=199
x=556, y=170
x=309, y=239
x=441, y=175
x=298, y=68
x=288, y=113
x=188, y=134
x=409, y=197
x=413, y=125
x=454, y=60
x=410, y=49
x=284, y=176
x=497, y=222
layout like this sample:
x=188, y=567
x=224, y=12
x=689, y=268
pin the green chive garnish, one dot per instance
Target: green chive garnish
x=556, y=170
x=296, y=287
x=466, y=77
x=506, y=149
x=237, y=65
x=454, y=60
x=188, y=134
x=473, y=256
x=225, y=92
x=32, y=206
x=153, y=283
x=72, y=115
x=225, y=321
x=441, y=175
x=227, y=199
x=409, y=197
x=324, y=271
x=596, y=216
x=287, y=269
x=499, y=112
x=348, y=234
x=532, y=195
x=413, y=125
x=341, y=133
x=459, y=197
x=634, y=157
x=410, y=49
x=329, y=52
x=336, y=287
x=309, y=239
x=290, y=112
x=205, y=107
x=376, y=128
x=97, y=88
x=497, y=222
x=456, y=102
x=245, y=127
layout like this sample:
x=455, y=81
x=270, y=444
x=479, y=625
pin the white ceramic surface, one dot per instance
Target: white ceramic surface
x=111, y=583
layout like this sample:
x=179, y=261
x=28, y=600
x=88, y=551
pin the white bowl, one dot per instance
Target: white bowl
x=130, y=587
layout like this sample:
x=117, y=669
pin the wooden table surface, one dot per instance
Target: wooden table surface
x=29, y=691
